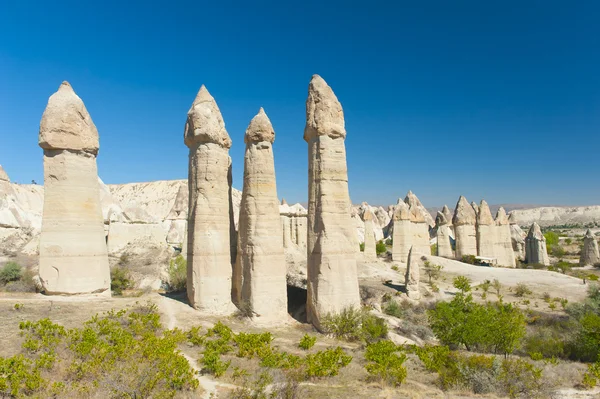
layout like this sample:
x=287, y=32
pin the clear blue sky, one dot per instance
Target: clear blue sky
x=494, y=100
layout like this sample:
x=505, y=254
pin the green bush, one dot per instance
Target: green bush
x=120, y=280
x=177, y=274
x=385, y=363
x=119, y=354
x=352, y=324
x=491, y=327
x=521, y=290
x=552, y=239
x=392, y=308
x=249, y=344
x=326, y=363
x=362, y=247
x=470, y=259
x=380, y=247
x=307, y=342
x=432, y=271
x=11, y=271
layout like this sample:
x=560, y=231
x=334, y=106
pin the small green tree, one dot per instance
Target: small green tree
x=433, y=271
x=380, y=247
x=178, y=274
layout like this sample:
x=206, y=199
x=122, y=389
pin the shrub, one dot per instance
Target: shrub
x=389, y=241
x=177, y=274
x=120, y=280
x=384, y=362
x=354, y=325
x=519, y=378
x=392, y=308
x=433, y=249
x=470, y=259
x=11, y=271
x=212, y=363
x=462, y=283
x=249, y=344
x=433, y=271
x=497, y=287
x=362, y=247
x=380, y=247
x=395, y=268
x=521, y=290
x=326, y=363
x=552, y=239
x=307, y=342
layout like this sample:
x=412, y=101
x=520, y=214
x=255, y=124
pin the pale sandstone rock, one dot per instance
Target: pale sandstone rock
x=475, y=207
x=123, y=234
x=3, y=175
x=73, y=254
x=517, y=237
x=444, y=245
x=412, y=201
x=179, y=211
x=464, y=220
x=589, y=253
x=447, y=214
x=260, y=270
x=535, y=246
x=209, y=254
x=419, y=230
x=369, y=250
x=332, y=245
x=402, y=236
x=503, y=246
x=411, y=278
x=486, y=231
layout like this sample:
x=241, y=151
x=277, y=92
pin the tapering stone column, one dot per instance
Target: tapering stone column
x=444, y=246
x=589, y=253
x=331, y=245
x=503, y=246
x=486, y=231
x=535, y=246
x=402, y=236
x=412, y=276
x=369, y=252
x=517, y=238
x=73, y=254
x=464, y=220
x=260, y=249
x=209, y=280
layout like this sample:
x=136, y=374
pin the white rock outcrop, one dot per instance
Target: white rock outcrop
x=444, y=240
x=486, y=231
x=589, y=253
x=412, y=276
x=464, y=221
x=369, y=243
x=332, y=245
x=73, y=254
x=535, y=247
x=503, y=248
x=517, y=238
x=209, y=254
x=402, y=236
x=260, y=269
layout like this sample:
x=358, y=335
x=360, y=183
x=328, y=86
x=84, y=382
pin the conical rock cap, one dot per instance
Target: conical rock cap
x=260, y=129
x=324, y=113
x=205, y=123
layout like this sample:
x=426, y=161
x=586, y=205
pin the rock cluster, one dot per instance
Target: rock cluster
x=260, y=269
x=535, y=247
x=331, y=247
x=73, y=253
x=589, y=253
x=210, y=222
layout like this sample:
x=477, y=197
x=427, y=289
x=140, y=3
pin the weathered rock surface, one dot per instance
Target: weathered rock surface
x=331, y=247
x=402, y=236
x=503, y=248
x=260, y=269
x=420, y=221
x=486, y=231
x=412, y=276
x=589, y=253
x=444, y=241
x=517, y=237
x=369, y=250
x=535, y=247
x=556, y=215
x=3, y=175
x=73, y=254
x=464, y=221
x=209, y=254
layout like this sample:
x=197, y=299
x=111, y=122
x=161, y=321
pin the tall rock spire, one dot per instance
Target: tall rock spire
x=402, y=236
x=503, y=245
x=535, y=246
x=331, y=247
x=464, y=221
x=260, y=269
x=486, y=231
x=73, y=254
x=210, y=220
x=369, y=252
x=589, y=253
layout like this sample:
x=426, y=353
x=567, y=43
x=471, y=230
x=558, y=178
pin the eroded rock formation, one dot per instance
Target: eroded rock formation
x=486, y=231
x=73, y=254
x=464, y=220
x=402, y=237
x=517, y=238
x=260, y=271
x=369, y=249
x=535, y=247
x=503, y=248
x=412, y=276
x=444, y=244
x=589, y=253
x=331, y=247
x=210, y=218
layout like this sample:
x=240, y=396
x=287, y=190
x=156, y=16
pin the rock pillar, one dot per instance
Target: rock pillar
x=589, y=253
x=535, y=246
x=412, y=276
x=503, y=246
x=444, y=246
x=73, y=254
x=402, y=237
x=464, y=220
x=486, y=232
x=370, y=252
x=209, y=220
x=331, y=245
